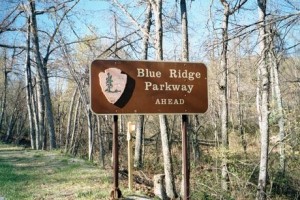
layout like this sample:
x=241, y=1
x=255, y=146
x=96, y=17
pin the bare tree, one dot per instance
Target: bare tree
x=168, y=168
x=263, y=101
x=275, y=56
x=70, y=114
x=138, y=161
x=240, y=109
x=4, y=92
x=44, y=95
x=185, y=57
x=101, y=142
x=75, y=127
x=223, y=86
x=29, y=89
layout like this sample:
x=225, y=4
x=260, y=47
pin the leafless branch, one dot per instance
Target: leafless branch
x=56, y=30
x=4, y=26
x=53, y=8
x=132, y=18
x=12, y=46
x=118, y=41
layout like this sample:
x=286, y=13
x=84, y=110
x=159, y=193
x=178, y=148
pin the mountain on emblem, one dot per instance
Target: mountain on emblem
x=112, y=84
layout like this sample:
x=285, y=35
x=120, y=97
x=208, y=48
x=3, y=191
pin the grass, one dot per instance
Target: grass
x=27, y=174
x=30, y=174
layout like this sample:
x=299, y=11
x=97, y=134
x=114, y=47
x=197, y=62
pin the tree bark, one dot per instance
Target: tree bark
x=41, y=113
x=70, y=114
x=275, y=62
x=90, y=134
x=223, y=86
x=138, y=158
x=34, y=103
x=10, y=126
x=3, y=100
x=224, y=97
x=168, y=168
x=75, y=126
x=264, y=103
x=184, y=31
x=185, y=138
x=13, y=117
x=101, y=143
x=281, y=120
x=29, y=92
x=240, y=110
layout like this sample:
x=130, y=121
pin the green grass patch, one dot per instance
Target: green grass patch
x=12, y=184
x=28, y=174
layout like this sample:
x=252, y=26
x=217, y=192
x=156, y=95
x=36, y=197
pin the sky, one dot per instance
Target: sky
x=203, y=23
x=98, y=15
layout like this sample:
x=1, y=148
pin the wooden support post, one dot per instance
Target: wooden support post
x=116, y=193
x=130, y=129
x=185, y=159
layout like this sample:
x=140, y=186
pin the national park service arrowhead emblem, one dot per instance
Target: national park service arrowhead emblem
x=113, y=84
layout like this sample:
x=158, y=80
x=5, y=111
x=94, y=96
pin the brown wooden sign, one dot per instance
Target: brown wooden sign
x=145, y=87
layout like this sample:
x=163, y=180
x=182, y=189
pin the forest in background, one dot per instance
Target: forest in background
x=245, y=146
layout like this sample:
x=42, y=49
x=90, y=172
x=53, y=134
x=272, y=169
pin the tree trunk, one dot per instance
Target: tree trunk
x=35, y=114
x=101, y=143
x=184, y=31
x=280, y=119
x=168, y=169
x=13, y=117
x=75, y=126
x=70, y=114
x=138, y=158
x=42, y=74
x=240, y=110
x=29, y=92
x=49, y=112
x=224, y=98
x=59, y=121
x=3, y=100
x=195, y=140
x=90, y=134
x=274, y=61
x=184, y=57
x=224, y=89
x=10, y=127
x=264, y=103
x=41, y=113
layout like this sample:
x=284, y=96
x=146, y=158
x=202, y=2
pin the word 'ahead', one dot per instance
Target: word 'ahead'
x=141, y=87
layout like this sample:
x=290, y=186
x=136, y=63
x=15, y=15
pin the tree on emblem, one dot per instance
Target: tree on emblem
x=109, y=84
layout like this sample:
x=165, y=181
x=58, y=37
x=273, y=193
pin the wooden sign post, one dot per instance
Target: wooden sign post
x=116, y=192
x=130, y=129
x=147, y=87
